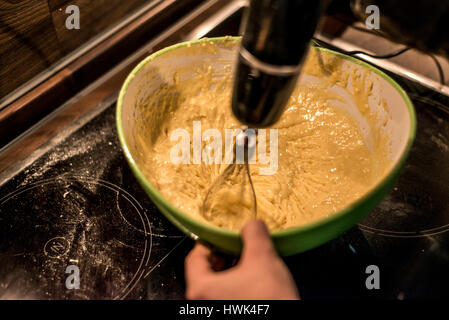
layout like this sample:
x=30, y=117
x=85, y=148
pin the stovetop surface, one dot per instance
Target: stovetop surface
x=78, y=204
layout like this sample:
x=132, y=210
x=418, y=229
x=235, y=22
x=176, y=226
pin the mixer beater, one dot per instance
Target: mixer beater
x=236, y=174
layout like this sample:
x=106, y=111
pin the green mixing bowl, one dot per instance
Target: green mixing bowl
x=395, y=111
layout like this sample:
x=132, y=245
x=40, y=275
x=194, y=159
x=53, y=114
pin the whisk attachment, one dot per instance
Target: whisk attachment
x=247, y=140
x=232, y=194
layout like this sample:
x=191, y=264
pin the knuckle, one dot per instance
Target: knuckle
x=196, y=291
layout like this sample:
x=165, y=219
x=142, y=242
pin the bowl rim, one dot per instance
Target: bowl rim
x=276, y=234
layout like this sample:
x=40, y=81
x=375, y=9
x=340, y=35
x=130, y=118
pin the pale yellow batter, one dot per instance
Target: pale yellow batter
x=324, y=163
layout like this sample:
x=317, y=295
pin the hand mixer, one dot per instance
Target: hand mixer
x=275, y=41
x=276, y=38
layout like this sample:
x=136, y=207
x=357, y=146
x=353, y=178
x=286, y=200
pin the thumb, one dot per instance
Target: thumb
x=256, y=241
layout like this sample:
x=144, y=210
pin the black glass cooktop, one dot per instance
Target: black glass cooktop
x=76, y=205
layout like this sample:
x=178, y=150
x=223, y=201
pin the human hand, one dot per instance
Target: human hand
x=260, y=273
